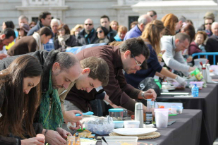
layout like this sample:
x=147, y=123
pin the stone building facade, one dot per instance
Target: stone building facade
x=74, y=12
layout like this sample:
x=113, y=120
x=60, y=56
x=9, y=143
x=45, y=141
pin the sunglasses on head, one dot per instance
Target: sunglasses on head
x=99, y=31
x=208, y=23
x=88, y=24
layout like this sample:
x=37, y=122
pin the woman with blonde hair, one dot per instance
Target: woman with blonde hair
x=170, y=22
x=121, y=33
x=114, y=25
x=152, y=35
x=75, y=31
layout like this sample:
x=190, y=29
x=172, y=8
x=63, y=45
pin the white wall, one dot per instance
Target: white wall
x=82, y=9
x=79, y=10
x=8, y=11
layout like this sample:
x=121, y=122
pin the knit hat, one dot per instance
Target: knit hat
x=209, y=15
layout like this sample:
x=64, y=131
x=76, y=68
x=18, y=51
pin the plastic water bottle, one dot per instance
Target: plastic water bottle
x=195, y=91
x=150, y=108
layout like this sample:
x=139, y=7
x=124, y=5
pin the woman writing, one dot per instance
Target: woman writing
x=152, y=35
x=19, y=99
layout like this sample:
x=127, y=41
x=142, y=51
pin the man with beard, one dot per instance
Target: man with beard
x=88, y=34
x=130, y=56
x=60, y=69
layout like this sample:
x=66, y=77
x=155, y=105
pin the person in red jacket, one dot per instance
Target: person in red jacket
x=198, y=44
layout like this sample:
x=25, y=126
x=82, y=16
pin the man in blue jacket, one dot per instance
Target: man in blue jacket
x=44, y=20
x=138, y=29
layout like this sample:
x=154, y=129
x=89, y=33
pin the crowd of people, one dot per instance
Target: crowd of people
x=42, y=86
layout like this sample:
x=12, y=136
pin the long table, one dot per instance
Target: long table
x=207, y=102
x=185, y=131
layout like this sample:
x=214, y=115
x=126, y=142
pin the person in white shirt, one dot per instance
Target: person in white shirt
x=173, y=46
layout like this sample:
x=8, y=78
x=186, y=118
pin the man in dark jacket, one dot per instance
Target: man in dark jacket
x=60, y=69
x=128, y=57
x=43, y=20
x=208, y=20
x=88, y=34
x=105, y=22
x=212, y=43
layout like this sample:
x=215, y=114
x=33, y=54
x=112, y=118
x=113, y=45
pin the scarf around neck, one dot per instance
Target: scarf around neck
x=37, y=37
x=62, y=40
x=50, y=117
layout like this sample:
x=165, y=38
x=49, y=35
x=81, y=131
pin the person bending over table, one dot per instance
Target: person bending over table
x=95, y=73
x=60, y=69
x=19, y=99
x=173, y=46
x=129, y=56
x=152, y=35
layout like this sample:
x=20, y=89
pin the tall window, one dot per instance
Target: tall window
x=35, y=19
x=132, y=19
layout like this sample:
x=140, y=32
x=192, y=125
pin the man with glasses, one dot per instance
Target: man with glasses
x=208, y=20
x=138, y=29
x=152, y=14
x=173, y=46
x=88, y=34
x=129, y=56
x=212, y=42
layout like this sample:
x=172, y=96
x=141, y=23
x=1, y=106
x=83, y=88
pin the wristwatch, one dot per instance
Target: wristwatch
x=143, y=95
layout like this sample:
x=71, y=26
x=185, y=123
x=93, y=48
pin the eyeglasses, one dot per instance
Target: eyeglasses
x=88, y=24
x=137, y=63
x=208, y=24
x=99, y=31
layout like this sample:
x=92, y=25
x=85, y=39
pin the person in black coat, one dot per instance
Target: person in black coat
x=64, y=38
x=212, y=42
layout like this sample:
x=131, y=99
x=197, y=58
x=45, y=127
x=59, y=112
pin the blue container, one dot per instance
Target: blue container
x=118, y=124
x=116, y=114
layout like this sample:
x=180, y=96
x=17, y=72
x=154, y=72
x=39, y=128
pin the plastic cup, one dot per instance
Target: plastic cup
x=180, y=108
x=161, y=117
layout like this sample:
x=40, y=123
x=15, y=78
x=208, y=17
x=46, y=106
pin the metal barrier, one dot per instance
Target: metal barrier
x=214, y=54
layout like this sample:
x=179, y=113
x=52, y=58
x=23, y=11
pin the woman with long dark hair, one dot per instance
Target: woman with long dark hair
x=19, y=100
x=102, y=35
